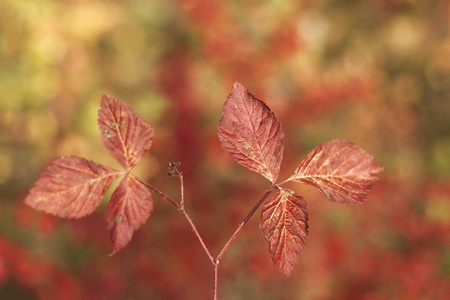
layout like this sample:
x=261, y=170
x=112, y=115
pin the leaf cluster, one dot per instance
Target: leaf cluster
x=72, y=187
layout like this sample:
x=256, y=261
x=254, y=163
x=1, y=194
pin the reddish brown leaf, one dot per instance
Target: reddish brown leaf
x=251, y=133
x=71, y=187
x=129, y=208
x=126, y=135
x=284, y=225
x=341, y=170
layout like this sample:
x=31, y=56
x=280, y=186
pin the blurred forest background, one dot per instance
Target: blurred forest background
x=375, y=72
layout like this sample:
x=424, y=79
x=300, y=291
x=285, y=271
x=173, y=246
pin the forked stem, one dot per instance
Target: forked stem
x=180, y=207
x=198, y=235
x=231, y=239
x=184, y=213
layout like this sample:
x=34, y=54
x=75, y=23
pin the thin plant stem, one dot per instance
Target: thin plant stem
x=216, y=274
x=182, y=191
x=180, y=207
x=250, y=214
x=183, y=212
x=217, y=260
x=159, y=192
x=198, y=235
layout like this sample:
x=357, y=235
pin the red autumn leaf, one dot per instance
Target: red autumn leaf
x=284, y=225
x=129, y=208
x=251, y=133
x=126, y=135
x=71, y=187
x=341, y=170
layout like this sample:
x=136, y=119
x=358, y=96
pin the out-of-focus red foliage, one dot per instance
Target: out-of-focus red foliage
x=373, y=72
x=37, y=277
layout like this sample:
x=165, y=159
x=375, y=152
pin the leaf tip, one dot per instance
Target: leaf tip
x=378, y=169
x=238, y=88
x=237, y=85
x=106, y=98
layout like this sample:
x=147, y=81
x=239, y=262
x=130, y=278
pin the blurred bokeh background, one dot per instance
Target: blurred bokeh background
x=375, y=72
